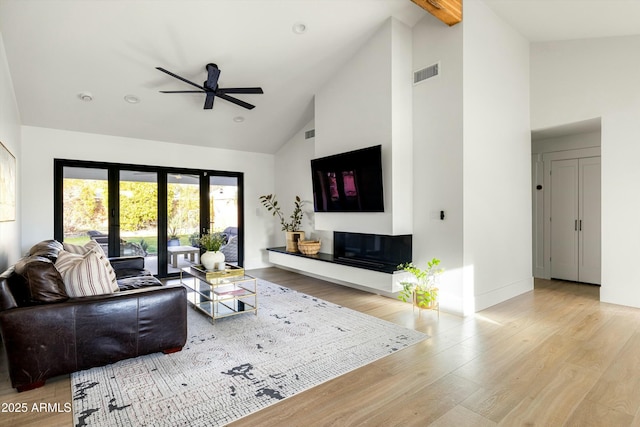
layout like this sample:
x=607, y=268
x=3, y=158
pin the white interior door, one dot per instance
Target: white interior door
x=564, y=219
x=589, y=221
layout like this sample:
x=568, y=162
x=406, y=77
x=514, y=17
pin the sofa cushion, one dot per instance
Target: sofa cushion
x=46, y=248
x=129, y=283
x=36, y=281
x=95, y=247
x=85, y=275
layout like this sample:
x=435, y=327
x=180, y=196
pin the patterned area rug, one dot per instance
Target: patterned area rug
x=237, y=366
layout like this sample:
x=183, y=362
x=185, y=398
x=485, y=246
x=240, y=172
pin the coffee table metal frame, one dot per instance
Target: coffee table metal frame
x=222, y=296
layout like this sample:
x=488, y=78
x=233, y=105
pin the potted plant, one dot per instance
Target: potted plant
x=212, y=258
x=422, y=291
x=174, y=239
x=292, y=224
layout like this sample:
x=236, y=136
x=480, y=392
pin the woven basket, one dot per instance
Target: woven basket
x=309, y=247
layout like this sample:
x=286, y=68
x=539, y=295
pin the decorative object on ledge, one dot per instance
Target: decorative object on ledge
x=423, y=292
x=212, y=258
x=309, y=247
x=448, y=11
x=293, y=237
x=292, y=226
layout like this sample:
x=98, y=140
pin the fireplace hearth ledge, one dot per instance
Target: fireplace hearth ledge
x=379, y=280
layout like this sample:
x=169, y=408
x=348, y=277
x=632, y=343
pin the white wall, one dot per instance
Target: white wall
x=293, y=178
x=368, y=102
x=10, y=138
x=496, y=159
x=572, y=81
x=620, y=208
x=437, y=156
x=577, y=80
x=41, y=146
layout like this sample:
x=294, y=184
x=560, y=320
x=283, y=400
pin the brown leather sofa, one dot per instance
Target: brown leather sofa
x=46, y=333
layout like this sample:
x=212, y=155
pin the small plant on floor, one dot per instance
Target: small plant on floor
x=269, y=201
x=422, y=292
x=212, y=242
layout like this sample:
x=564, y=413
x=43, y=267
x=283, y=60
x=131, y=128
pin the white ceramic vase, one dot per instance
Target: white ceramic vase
x=210, y=259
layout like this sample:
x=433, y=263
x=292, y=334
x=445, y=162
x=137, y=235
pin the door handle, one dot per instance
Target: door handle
x=575, y=225
x=580, y=228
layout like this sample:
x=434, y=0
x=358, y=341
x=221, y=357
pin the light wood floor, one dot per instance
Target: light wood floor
x=552, y=357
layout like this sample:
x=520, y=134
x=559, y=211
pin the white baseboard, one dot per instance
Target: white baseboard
x=502, y=294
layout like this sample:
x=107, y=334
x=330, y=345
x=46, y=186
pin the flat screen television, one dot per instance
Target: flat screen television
x=348, y=182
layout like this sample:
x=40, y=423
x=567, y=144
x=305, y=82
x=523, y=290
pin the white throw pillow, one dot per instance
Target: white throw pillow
x=84, y=275
x=93, y=246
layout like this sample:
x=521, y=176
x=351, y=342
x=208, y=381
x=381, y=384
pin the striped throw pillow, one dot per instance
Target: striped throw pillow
x=92, y=245
x=84, y=275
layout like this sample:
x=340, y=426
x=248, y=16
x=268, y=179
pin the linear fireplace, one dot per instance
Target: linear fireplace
x=372, y=251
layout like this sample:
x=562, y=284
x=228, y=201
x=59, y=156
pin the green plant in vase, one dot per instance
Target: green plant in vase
x=291, y=224
x=212, y=259
x=271, y=204
x=212, y=242
x=422, y=292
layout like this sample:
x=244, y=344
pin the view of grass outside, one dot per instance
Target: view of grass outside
x=86, y=205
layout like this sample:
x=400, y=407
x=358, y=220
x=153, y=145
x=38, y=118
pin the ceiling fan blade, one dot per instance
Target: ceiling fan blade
x=208, y=102
x=236, y=101
x=179, y=78
x=212, y=78
x=240, y=90
x=182, y=91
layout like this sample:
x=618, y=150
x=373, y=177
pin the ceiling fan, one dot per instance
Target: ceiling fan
x=211, y=89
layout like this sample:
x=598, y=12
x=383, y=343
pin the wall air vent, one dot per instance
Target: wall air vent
x=310, y=134
x=426, y=73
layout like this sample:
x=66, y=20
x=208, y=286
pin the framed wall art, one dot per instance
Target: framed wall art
x=7, y=185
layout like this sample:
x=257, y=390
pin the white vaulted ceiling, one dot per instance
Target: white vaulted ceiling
x=550, y=20
x=57, y=49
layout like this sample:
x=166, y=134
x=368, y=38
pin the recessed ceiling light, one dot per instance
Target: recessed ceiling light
x=85, y=96
x=238, y=119
x=299, y=28
x=131, y=99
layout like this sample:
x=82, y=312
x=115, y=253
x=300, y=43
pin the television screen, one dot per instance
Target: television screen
x=348, y=182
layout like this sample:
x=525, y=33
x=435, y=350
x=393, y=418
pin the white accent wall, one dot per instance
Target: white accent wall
x=10, y=138
x=469, y=150
x=293, y=178
x=437, y=161
x=496, y=159
x=369, y=103
x=41, y=146
x=567, y=86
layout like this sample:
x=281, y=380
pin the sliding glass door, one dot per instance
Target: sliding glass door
x=183, y=215
x=85, y=202
x=138, y=216
x=223, y=209
x=155, y=212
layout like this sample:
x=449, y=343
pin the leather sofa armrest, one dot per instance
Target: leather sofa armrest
x=127, y=262
x=7, y=301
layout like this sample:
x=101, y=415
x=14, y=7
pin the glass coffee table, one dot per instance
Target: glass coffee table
x=221, y=293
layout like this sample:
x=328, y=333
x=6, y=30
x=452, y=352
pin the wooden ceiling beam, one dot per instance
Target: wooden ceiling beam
x=448, y=11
